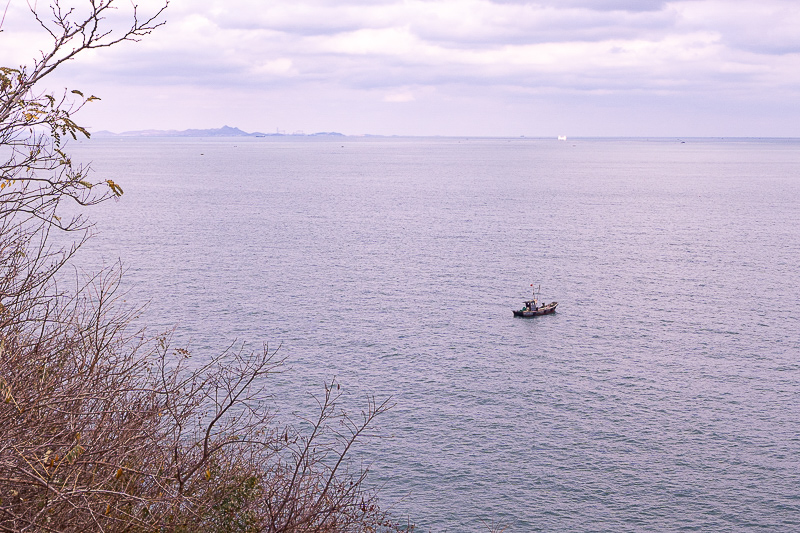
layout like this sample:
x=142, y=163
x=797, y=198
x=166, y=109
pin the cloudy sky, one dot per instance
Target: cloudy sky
x=445, y=67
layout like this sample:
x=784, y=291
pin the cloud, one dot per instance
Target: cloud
x=279, y=67
x=765, y=27
x=607, y=45
x=420, y=51
x=595, y=5
x=486, y=24
x=458, y=21
x=399, y=97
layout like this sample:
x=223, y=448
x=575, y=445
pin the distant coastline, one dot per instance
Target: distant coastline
x=225, y=131
x=233, y=132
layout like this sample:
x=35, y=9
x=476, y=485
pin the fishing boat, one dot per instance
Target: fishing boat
x=533, y=308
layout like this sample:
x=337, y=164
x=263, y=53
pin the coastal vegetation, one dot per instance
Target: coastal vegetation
x=103, y=426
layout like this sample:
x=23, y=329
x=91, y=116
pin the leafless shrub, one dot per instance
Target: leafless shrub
x=103, y=431
x=103, y=428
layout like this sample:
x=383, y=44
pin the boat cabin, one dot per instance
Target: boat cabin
x=530, y=305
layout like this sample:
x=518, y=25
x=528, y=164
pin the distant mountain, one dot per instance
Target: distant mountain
x=224, y=131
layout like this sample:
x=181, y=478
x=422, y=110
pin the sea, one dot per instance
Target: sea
x=663, y=395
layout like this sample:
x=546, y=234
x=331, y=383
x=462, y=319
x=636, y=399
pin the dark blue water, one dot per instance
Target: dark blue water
x=663, y=395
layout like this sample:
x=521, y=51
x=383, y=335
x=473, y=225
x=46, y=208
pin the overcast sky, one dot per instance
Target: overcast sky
x=446, y=67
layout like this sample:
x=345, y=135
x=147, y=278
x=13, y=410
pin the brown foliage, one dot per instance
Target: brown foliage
x=102, y=431
x=103, y=428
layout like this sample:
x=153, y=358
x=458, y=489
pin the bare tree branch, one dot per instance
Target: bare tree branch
x=105, y=427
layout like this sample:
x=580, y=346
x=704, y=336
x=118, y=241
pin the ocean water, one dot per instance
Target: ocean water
x=664, y=395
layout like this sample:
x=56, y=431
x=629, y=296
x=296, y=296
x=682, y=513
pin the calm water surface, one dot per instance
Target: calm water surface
x=663, y=395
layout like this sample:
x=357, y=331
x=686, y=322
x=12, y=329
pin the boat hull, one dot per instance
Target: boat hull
x=546, y=310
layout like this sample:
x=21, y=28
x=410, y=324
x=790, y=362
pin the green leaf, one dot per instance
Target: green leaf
x=74, y=453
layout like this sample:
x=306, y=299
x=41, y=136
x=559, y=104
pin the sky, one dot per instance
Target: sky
x=727, y=68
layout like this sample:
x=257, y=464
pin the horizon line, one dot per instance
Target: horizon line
x=220, y=132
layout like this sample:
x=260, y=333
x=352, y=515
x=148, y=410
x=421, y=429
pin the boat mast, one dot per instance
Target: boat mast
x=535, y=302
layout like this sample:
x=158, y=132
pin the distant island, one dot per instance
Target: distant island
x=224, y=131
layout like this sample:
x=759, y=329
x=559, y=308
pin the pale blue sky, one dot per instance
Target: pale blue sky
x=447, y=67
